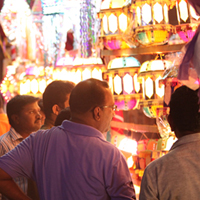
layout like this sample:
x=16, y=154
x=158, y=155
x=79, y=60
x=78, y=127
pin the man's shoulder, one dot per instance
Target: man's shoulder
x=5, y=136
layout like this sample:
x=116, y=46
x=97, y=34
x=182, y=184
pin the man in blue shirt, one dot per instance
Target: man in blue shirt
x=73, y=161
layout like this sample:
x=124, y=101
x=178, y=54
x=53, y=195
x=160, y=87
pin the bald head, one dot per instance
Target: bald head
x=87, y=95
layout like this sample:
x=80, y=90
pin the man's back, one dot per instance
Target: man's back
x=175, y=175
x=81, y=163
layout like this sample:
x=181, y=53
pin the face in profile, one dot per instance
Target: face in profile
x=29, y=119
x=108, y=112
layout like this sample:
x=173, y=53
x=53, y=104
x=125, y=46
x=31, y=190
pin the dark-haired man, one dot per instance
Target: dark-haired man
x=24, y=117
x=55, y=98
x=176, y=174
x=73, y=161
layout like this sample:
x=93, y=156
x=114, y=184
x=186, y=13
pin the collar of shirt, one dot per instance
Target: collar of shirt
x=14, y=135
x=186, y=139
x=81, y=129
x=48, y=123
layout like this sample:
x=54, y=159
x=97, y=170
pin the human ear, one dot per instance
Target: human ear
x=56, y=109
x=97, y=113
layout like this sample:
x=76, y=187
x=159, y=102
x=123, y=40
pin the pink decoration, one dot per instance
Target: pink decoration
x=186, y=35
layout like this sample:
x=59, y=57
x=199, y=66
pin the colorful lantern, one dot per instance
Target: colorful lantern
x=122, y=77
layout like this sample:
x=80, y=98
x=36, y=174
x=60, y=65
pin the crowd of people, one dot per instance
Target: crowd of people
x=54, y=148
x=66, y=156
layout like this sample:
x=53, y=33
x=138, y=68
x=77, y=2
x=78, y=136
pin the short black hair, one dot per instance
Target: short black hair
x=55, y=93
x=16, y=104
x=64, y=114
x=87, y=95
x=184, y=109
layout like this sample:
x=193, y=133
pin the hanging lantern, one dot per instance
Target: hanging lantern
x=151, y=22
x=115, y=19
x=122, y=78
x=150, y=75
x=85, y=68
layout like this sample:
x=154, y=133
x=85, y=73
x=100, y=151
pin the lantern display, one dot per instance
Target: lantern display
x=84, y=68
x=150, y=75
x=8, y=87
x=115, y=18
x=122, y=77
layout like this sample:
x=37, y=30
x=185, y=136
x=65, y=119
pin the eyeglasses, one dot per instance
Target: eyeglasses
x=114, y=107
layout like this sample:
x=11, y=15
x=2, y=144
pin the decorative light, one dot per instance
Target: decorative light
x=146, y=13
x=86, y=74
x=166, y=17
x=77, y=77
x=183, y=10
x=112, y=21
x=8, y=87
x=149, y=87
x=97, y=73
x=42, y=85
x=128, y=145
x=122, y=79
x=117, y=84
x=136, y=83
x=128, y=83
x=150, y=75
x=158, y=12
x=123, y=22
x=34, y=86
x=105, y=24
x=138, y=12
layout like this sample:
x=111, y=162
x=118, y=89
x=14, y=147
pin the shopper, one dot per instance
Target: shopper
x=73, y=161
x=65, y=114
x=176, y=174
x=24, y=117
x=55, y=98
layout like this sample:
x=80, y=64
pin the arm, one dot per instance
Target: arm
x=148, y=188
x=9, y=188
x=119, y=181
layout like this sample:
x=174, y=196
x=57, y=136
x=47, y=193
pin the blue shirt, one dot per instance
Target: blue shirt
x=72, y=161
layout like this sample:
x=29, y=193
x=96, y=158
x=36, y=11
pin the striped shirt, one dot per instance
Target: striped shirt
x=9, y=141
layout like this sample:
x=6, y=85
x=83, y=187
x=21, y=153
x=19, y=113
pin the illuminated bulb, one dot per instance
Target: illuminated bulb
x=128, y=83
x=123, y=22
x=159, y=90
x=86, y=74
x=34, y=86
x=112, y=21
x=117, y=84
x=149, y=87
x=136, y=84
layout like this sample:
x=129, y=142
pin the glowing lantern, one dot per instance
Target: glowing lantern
x=85, y=68
x=112, y=20
x=34, y=86
x=123, y=22
x=183, y=9
x=153, y=91
x=105, y=24
x=122, y=78
x=42, y=85
x=146, y=13
x=158, y=12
